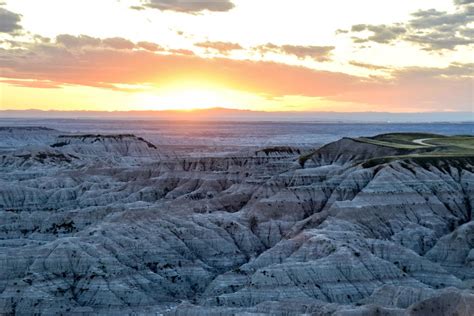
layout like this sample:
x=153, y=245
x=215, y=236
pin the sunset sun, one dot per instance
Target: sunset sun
x=185, y=99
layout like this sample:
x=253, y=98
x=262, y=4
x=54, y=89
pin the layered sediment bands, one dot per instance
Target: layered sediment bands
x=121, y=145
x=455, y=252
x=15, y=137
x=148, y=231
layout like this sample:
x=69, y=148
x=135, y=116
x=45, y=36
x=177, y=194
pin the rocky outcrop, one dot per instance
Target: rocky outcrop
x=35, y=157
x=449, y=302
x=348, y=150
x=13, y=137
x=455, y=251
x=121, y=145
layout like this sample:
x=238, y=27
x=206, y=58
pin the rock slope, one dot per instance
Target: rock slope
x=110, y=224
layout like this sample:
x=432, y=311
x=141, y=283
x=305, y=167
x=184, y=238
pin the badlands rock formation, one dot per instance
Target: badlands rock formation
x=111, y=224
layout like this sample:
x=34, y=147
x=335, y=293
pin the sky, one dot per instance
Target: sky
x=265, y=55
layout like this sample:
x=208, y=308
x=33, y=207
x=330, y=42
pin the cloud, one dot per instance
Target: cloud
x=221, y=47
x=368, y=66
x=54, y=64
x=137, y=8
x=438, y=30
x=380, y=33
x=80, y=41
x=32, y=84
x=463, y=2
x=440, y=41
x=455, y=70
x=9, y=21
x=318, y=53
x=189, y=6
x=431, y=29
x=84, y=41
x=152, y=47
x=118, y=43
x=180, y=51
x=426, y=19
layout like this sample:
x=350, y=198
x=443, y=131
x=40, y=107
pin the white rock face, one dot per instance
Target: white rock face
x=114, y=225
x=116, y=145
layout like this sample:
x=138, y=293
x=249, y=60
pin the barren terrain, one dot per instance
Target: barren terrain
x=116, y=223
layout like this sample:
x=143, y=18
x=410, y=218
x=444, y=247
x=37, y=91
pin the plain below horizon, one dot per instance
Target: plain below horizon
x=224, y=114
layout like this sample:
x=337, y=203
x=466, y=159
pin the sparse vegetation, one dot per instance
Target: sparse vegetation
x=407, y=138
x=422, y=148
x=425, y=148
x=392, y=144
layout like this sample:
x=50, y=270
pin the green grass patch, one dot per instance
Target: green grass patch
x=405, y=137
x=466, y=142
x=430, y=147
x=391, y=144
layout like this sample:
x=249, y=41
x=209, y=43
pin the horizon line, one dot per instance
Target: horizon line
x=243, y=115
x=229, y=109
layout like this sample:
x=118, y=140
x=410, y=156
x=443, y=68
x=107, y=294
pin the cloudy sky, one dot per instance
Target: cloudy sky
x=338, y=55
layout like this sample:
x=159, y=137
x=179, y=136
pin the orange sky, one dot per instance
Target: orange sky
x=411, y=56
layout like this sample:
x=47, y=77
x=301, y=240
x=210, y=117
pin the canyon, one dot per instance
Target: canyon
x=115, y=223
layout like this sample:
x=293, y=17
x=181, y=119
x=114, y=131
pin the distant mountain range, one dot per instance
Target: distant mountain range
x=216, y=114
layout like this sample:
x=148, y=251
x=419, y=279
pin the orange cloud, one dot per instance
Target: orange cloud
x=32, y=83
x=221, y=47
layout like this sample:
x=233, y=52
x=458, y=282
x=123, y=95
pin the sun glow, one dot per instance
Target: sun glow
x=185, y=99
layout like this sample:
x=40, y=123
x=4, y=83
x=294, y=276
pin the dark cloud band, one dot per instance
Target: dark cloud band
x=9, y=21
x=318, y=53
x=431, y=29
